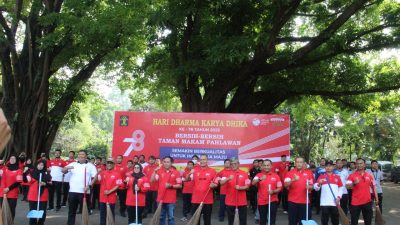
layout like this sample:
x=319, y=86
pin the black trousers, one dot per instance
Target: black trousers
x=317, y=196
x=222, y=207
x=55, y=188
x=242, y=214
x=187, y=204
x=13, y=204
x=25, y=190
x=329, y=212
x=122, y=200
x=366, y=210
x=263, y=211
x=380, y=200
x=284, y=199
x=344, y=203
x=297, y=212
x=42, y=206
x=132, y=214
x=74, y=200
x=65, y=193
x=95, y=196
x=151, y=204
x=252, y=193
x=206, y=211
x=103, y=212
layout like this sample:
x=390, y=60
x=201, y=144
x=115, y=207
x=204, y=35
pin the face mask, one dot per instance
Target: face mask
x=194, y=161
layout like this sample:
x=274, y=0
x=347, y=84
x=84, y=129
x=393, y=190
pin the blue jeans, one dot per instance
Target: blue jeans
x=167, y=208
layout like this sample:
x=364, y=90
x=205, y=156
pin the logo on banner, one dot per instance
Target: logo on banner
x=137, y=142
x=123, y=121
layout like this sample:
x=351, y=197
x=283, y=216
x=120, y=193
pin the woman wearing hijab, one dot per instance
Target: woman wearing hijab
x=33, y=180
x=137, y=181
x=11, y=177
x=28, y=167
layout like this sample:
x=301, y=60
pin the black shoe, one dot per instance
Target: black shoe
x=57, y=209
x=257, y=221
x=79, y=212
x=64, y=205
x=144, y=215
x=123, y=214
x=90, y=212
x=221, y=219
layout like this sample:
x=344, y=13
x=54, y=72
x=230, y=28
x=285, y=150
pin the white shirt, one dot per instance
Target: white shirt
x=77, y=180
x=344, y=175
x=326, y=194
x=378, y=177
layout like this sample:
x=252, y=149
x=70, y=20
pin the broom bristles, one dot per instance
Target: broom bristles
x=156, y=217
x=236, y=221
x=343, y=218
x=196, y=216
x=109, y=218
x=85, y=213
x=378, y=217
x=6, y=212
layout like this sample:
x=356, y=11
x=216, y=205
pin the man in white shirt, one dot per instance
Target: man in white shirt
x=77, y=183
x=67, y=176
x=55, y=168
x=343, y=173
x=378, y=177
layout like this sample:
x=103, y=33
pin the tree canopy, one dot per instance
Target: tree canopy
x=250, y=56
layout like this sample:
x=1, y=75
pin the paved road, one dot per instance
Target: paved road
x=391, y=208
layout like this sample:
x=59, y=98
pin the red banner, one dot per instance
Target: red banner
x=220, y=136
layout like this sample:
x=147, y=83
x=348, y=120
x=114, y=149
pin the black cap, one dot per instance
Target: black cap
x=330, y=162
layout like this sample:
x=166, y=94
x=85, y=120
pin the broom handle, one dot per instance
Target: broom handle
x=237, y=193
x=39, y=184
x=307, y=199
x=84, y=184
x=269, y=204
x=136, y=199
x=208, y=189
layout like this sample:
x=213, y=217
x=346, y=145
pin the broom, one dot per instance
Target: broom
x=85, y=211
x=109, y=218
x=236, y=220
x=1, y=216
x=378, y=215
x=6, y=212
x=196, y=216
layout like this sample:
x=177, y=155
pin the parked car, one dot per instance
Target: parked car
x=395, y=175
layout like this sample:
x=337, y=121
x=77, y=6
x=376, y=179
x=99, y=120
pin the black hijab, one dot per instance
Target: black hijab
x=14, y=166
x=137, y=176
x=29, y=165
x=35, y=174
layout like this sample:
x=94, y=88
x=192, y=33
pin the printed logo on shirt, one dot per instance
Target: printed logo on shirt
x=273, y=179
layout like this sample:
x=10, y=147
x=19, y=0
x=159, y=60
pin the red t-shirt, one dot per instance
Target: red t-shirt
x=271, y=179
x=298, y=189
x=172, y=177
x=281, y=169
x=8, y=178
x=361, y=191
x=148, y=171
x=99, y=169
x=187, y=183
x=202, y=178
x=108, y=180
x=144, y=185
x=122, y=172
x=221, y=174
x=33, y=190
x=236, y=197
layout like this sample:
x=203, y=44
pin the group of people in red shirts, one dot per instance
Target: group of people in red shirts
x=140, y=186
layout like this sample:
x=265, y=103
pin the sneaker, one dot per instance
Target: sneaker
x=284, y=212
x=50, y=209
x=221, y=219
x=257, y=221
x=183, y=219
x=64, y=205
x=57, y=209
x=123, y=214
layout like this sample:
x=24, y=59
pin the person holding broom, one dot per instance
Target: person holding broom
x=204, y=181
x=187, y=191
x=237, y=182
x=169, y=180
x=269, y=185
x=109, y=181
x=360, y=182
x=151, y=194
x=296, y=181
x=121, y=168
x=77, y=186
x=11, y=177
x=137, y=184
x=33, y=179
x=331, y=187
